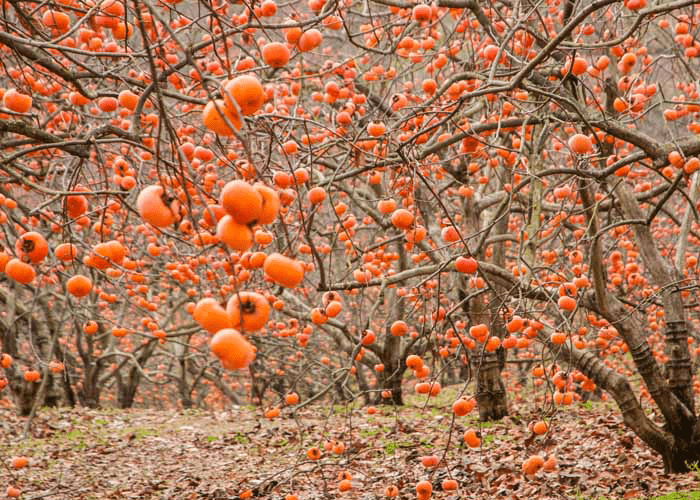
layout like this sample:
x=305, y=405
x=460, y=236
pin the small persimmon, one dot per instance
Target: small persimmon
x=20, y=271
x=232, y=349
x=247, y=92
x=283, y=270
x=472, y=440
x=211, y=315
x=155, y=208
x=449, y=485
x=214, y=117
x=272, y=413
x=242, y=201
x=270, y=204
x=13, y=492
x=466, y=265
x=32, y=246
x=462, y=406
x=424, y=489
x=309, y=40
x=566, y=303
x=79, y=285
x=66, y=252
x=580, y=144
x=399, y=328
x=235, y=235
x=402, y=218
x=316, y=195
x=532, y=465
x=249, y=311
x=376, y=129
x=275, y=54
x=539, y=428
x=414, y=362
x=17, y=102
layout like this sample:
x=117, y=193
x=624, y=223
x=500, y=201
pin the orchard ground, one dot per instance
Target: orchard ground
x=195, y=454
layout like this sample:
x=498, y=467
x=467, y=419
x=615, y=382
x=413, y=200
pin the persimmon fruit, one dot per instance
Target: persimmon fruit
x=232, y=349
x=248, y=311
x=283, y=270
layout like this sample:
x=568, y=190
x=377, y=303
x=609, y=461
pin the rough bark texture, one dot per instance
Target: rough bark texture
x=679, y=443
x=38, y=326
x=667, y=278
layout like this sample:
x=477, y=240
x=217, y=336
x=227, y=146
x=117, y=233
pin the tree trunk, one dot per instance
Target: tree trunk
x=490, y=389
x=390, y=378
x=684, y=452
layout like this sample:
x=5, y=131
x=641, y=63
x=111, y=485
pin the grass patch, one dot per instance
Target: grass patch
x=680, y=495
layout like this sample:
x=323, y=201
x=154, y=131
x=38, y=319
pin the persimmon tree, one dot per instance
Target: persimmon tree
x=342, y=196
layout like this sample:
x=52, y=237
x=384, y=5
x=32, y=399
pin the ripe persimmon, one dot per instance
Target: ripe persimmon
x=376, y=129
x=421, y=12
x=399, y=328
x=275, y=54
x=449, y=485
x=532, y=465
x=466, y=265
x=247, y=92
x=79, y=285
x=472, y=440
x=270, y=204
x=283, y=270
x=539, y=427
x=232, y=349
x=215, y=114
x=20, y=271
x=424, y=489
x=566, y=303
x=235, y=235
x=558, y=338
x=309, y=40
x=155, y=208
x=17, y=102
x=32, y=246
x=414, y=362
x=13, y=492
x=66, y=252
x=249, y=311
x=462, y=406
x=316, y=195
x=402, y=218
x=211, y=315
x=242, y=201
x=580, y=144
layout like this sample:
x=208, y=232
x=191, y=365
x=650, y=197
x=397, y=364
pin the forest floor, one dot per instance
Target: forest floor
x=193, y=454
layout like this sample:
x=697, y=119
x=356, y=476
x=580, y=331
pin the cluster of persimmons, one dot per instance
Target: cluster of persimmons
x=297, y=182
